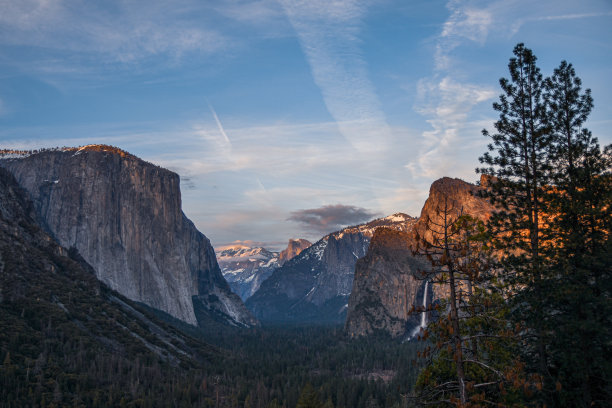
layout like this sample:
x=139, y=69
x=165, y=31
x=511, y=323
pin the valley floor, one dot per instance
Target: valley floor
x=271, y=366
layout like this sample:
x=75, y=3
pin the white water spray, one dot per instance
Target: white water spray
x=423, y=324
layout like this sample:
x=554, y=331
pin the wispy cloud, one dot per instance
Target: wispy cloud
x=447, y=99
x=465, y=22
x=329, y=35
x=331, y=218
x=574, y=16
x=447, y=104
x=257, y=12
x=519, y=22
x=444, y=99
x=121, y=32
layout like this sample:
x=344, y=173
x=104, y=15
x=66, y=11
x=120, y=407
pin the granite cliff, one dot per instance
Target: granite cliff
x=60, y=327
x=387, y=285
x=315, y=285
x=123, y=215
x=294, y=247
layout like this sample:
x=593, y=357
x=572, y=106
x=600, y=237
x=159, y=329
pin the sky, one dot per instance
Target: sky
x=287, y=118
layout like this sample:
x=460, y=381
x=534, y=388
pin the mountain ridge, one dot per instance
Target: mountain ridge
x=315, y=285
x=245, y=267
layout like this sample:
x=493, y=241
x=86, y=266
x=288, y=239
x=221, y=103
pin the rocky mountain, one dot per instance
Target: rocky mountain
x=244, y=267
x=123, y=216
x=66, y=336
x=387, y=285
x=315, y=285
x=294, y=247
x=385, y=288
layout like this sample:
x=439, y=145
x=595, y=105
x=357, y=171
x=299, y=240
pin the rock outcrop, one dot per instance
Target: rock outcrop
x=315, y=285
x=294, y=247
x=387, y=284
x=124, y=217
x=61, y=325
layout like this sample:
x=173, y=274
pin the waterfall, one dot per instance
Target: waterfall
x=423, y=324
x=424, y=315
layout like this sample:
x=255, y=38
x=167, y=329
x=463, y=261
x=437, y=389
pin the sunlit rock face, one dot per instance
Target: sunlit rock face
x=294, y=247
x=124, y=217
x=463, y=198
x=388, y=283
x=315, y=285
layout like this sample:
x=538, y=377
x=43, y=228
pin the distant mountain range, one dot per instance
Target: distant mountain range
x=245, y=267
x=315, y=285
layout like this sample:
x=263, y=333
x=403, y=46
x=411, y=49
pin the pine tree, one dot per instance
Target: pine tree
x=309, y=398
x=519, y=157
x=471, y=359
x=554, y=188
x=581, y=201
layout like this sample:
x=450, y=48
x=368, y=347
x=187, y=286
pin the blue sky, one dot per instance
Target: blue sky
x=272, y=109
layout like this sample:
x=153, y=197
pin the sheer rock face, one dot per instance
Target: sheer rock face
x=294, y=247
x=463, y=198
x=58, y=287
x=385, y=288
x=124, y=217
x=387, y=284
x=315, y=285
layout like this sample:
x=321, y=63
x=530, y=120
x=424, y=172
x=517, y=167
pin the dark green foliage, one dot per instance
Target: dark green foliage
x=275, y=363
x=309, y=398
x=554, y=190
x=580, y=282
x=472, y=358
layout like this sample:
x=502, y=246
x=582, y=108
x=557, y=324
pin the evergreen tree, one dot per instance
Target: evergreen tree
x=580, y=199
x=519, y=157
x=554, y=189
x=471, y=359
x=309, y=398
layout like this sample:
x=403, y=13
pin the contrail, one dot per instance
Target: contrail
x=219, y=125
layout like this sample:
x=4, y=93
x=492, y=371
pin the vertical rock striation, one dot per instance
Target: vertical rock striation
x=124, y=217
x=385, y=287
